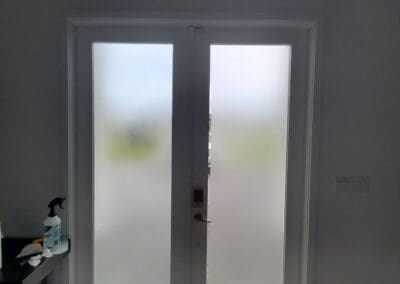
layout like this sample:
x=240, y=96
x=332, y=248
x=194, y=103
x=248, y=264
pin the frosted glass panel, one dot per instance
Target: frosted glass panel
x=249, y=90
x=132, y=162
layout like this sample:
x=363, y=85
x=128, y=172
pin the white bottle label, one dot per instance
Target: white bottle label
x=51, y=237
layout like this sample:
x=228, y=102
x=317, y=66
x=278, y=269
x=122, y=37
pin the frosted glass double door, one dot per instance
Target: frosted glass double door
x=185, y=131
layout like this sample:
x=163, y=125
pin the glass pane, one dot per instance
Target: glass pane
x=249, y=90
x=132, y=162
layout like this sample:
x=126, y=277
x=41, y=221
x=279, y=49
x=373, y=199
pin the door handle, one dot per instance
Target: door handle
x=200, y=219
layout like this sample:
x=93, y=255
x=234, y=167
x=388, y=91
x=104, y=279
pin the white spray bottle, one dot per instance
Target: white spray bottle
x=52, y=226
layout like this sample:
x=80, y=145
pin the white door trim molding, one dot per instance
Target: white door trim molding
x=312, y=25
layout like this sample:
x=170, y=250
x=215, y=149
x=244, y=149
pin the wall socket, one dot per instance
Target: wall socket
x=352, y=184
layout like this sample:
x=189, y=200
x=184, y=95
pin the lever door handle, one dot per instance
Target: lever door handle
x=199, y=218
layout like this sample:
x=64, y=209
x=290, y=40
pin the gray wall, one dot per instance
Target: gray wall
x=358, y=234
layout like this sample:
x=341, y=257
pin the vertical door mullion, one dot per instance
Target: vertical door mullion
x=83, y=194
x=200, y=152
x=182, y=159
x=296, y=164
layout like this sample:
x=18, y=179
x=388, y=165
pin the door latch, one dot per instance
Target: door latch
x=199, y=218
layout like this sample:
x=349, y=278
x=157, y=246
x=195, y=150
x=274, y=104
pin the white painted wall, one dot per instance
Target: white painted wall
x=358, y=236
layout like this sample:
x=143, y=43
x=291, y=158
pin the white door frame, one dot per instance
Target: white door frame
x=309, y=27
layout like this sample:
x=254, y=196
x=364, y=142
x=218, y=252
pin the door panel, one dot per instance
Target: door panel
x=252, y=86
x=133, y=155
x=132, y=162
x=249, y=90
